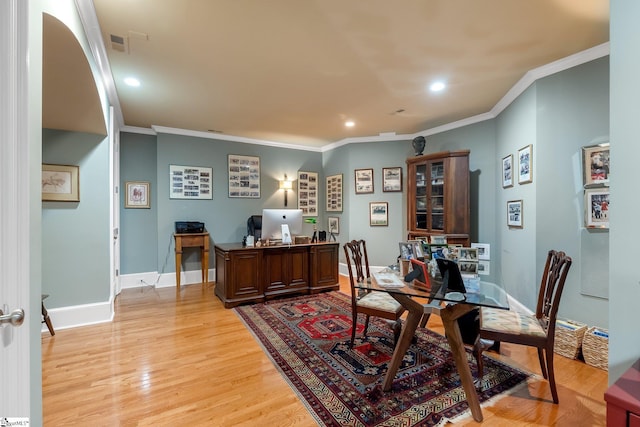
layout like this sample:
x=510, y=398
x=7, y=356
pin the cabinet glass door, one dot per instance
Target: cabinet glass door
x=421, y=197
x=436, y=196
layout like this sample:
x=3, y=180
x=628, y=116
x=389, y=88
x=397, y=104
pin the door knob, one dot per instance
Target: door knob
x=16, y=317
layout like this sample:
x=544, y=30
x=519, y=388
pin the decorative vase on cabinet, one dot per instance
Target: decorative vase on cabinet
x=438, y=196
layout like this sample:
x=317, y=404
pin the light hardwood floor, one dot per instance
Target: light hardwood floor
x=188, y=361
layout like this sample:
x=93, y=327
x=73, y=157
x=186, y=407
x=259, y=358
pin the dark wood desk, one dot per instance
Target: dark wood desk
x=192, y=240
x=255, y=274
x=623, y=399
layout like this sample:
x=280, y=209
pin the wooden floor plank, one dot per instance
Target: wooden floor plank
x=190, y=361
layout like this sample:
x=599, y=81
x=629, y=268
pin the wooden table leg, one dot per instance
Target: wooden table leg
x=178, y=264
x=415, y=311
x=449, y=316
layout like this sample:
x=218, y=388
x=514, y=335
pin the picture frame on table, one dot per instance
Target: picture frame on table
x=378, y=214
x=407, y=250
x=333, y=223
x=595, y=164
x=525, y=164
x=596, y=207
x=484, y=250
x=392, y=179
x=484, y=267
x=514, y=214
x=60, y=183
x=507, y=171
x=468, y=267
x=137, y=195
x=364, y=181
x=418, y=250
x=468, y=254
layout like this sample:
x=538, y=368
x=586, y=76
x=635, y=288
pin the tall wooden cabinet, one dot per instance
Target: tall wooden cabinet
x=438, y=196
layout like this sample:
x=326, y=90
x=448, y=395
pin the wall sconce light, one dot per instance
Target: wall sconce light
x=285, y=185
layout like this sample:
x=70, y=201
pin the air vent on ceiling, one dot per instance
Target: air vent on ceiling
x=118, y=43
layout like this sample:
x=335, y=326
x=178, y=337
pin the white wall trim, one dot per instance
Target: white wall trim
x=79, y=315
x=165, y=280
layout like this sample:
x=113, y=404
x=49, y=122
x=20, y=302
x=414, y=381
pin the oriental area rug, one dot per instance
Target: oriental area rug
x=308, y=337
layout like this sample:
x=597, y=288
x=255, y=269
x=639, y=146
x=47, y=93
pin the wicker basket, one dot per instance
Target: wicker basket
x=595, y=348
x=568, y=338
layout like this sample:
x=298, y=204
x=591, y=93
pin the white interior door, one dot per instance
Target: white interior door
x=114, y=150
x=16, y=215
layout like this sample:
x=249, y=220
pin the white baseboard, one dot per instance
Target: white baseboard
x=165, y=280
x=101, y=312
x=79, y=315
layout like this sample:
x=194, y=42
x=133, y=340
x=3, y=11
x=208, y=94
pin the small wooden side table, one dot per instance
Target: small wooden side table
x=192, y=240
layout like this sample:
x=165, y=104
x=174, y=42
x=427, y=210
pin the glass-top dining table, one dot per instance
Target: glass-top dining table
x=450, y=306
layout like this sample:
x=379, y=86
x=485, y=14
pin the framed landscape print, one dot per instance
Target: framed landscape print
x=378, y=213
x=596, y=207
x=595, y=164
x=507, y=171
x=364, y=181
x=392, y=179
x=514, y=214
x=334, y=193
x=525, y=164
x=244, y=176
x=137, y=195
x=308, y=193
x=60, y=183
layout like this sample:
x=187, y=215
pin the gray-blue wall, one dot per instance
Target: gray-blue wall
x=557, y=115
x=75, y=235
x=624, y=293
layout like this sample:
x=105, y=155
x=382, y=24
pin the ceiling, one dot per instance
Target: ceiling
x=294, y=71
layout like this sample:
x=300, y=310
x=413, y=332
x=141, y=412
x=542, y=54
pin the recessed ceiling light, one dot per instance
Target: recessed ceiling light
x=437, y=86
x=349, y=123
x=132, y=81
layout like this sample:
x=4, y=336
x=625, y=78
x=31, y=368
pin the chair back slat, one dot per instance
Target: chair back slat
x=551, y=287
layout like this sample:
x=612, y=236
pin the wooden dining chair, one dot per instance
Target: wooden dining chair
x=534, y=330
x=369, y=303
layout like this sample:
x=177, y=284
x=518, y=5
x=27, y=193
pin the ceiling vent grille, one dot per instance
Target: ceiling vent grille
x=118, y=43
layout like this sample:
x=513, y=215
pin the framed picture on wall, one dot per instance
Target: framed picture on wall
x=595, y=164
x=596, y=207
x=60, y=183
x=308, y=193
x=392, y=179
x=190, y=182
x=378, y=213
x=244, y=176
x=364, y=181
x=514, y=213
x=334, y=193
x=137, y=195
x=507, y=171
x=525, y=164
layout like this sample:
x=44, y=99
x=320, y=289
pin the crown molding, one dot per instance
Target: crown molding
x=232, y=138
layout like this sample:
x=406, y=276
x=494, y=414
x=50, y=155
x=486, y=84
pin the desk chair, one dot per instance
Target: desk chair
x=369, y=303
x=534, y=330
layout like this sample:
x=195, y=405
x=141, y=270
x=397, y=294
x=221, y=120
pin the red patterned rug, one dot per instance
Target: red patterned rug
x=307, y=338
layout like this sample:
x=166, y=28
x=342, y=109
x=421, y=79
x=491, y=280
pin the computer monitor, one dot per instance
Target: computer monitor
x=273, y=219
